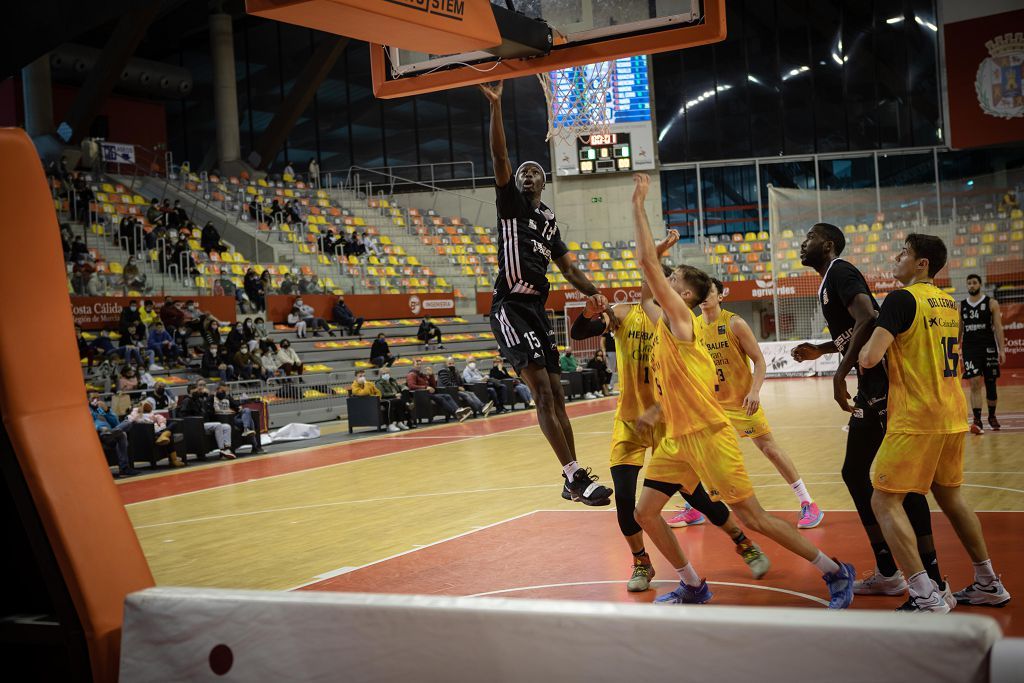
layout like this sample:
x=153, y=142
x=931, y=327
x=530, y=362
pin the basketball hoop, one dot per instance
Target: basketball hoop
x=578, y=100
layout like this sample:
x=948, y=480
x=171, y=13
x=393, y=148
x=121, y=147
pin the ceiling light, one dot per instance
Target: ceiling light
x=894, y=20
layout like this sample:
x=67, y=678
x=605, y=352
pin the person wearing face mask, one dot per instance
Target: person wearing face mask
x=161, y=343
x=449, y=376
x=198, y=403
x=215, y=363
x=290, y=362
x=360, y=387
x=129, y=315
x=399, y=407
x=495, y=391
x=307, y=315
x=113, y=434
x=380, y=353
x=225, y=405
x=235, y=339
x=161, y=397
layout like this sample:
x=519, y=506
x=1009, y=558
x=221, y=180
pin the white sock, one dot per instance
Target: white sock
x=801, y=491
x=689, y=576
x=825, y=564
x=570, y=469
x=921, y=585
x=983, y=572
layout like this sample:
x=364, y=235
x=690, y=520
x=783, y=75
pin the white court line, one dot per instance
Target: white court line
x=342, y=502
x=597, y=583
x=418, y=548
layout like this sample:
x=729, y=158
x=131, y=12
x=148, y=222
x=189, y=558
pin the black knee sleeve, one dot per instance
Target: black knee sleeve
x=717, y=512
x=662, y=486
x=624, y=482
x=990, y=388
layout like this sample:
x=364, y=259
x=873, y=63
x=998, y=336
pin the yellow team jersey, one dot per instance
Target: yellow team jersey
x=633, y=341
x=732, y=365
x=924, y=388
x=684, y=377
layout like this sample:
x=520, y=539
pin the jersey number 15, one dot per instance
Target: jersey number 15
x=949, y=355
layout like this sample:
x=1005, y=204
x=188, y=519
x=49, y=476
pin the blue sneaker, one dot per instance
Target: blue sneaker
x=840, y=586
x=685, y=595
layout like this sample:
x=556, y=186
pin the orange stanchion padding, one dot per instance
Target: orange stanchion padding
x=42, y=397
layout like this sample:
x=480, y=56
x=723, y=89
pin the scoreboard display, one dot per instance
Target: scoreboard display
x=605, y=153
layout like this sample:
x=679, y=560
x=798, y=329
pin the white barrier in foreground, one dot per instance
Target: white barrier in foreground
x=179, y=634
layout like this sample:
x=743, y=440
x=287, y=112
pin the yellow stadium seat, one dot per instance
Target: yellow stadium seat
x=850, y=229
x=750, y=237
x=115, y=267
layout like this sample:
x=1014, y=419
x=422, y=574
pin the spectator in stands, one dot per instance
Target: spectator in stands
x=1009, y=202
x=277, y=212
x=235, y=339
x=95, y=283
x=259, y=329
x=359, y=249
x=498, y=372
x=307, y=315
x=568, y=362
x=246, y=365
x=256, y=211
x=215, y=363
x=325, y=242
x=66, y=238
x=421, y=378
x=171, y=315
x=128, y=380
x=495, y=390
x=148, y=314
x=463, y=412
x=161, y=343
x=225, y=404
x=161, y=397
x=372, y=245
x=179, y=216
x=79, y=252
x=154, y=216
x=133, y=342
x=210, y=240
x=291, y=211
x=314, y=173
x=289, y=172
x=113, y=434
x=197, y=403
x=348, y=320
x=86, y=351
x=380, y=353
x=186, y=352
x=211, y=333
x=308, y=285
x=289, y=360
x=349, y=245
x=397, y=408
x=126, y=235
x=269, y=361
x=289, y=286
x=249, y=334
x=131, y=278
x=427, y=331
x=129, y=315
x=103, y=346
x=183, y=258
x=599, y=363
x=450, y=377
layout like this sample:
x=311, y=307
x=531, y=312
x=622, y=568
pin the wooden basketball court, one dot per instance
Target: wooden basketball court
x=475, y=509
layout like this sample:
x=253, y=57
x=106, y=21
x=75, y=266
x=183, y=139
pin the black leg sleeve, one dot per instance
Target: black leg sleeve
x=624, y=482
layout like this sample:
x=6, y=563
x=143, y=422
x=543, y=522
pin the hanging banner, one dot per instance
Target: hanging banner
x=104, y=312
x=368, y=306
x=117, y=153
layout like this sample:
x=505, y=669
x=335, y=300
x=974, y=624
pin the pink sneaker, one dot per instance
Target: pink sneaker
x=686, y=517
x=810, y=516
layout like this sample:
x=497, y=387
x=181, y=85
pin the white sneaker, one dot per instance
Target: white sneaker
x=488, y=408
x=876, y=583
x=933, y=603
x=947, y=594
x=402, y=425
x=463, y=413
x=393, y=427
x=990, y=595
x=589, y=394
x=155, y=368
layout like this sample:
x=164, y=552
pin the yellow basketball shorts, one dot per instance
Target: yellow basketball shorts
x=748, y=426
x=630, y=442
x=711, y=456
x=911, y=463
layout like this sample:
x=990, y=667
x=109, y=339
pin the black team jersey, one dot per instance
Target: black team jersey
x=528, y=240
x=841, y=284
x=976, y=323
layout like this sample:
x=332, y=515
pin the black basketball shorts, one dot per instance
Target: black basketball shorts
x=524, y=334
x=981, y=361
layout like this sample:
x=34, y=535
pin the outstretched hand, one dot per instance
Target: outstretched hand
x=669, y=241
x=596, y=304
x=492, y=91
x=642, y=183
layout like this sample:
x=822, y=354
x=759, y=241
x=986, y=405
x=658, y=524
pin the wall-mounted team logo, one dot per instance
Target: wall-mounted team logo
x=415, y=305
x=999, y=83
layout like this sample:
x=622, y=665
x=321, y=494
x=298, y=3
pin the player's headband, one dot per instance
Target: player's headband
x=522, y=166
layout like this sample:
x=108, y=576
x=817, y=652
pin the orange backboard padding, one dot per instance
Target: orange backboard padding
x=44, y=409
x=434, y=26
x=712, y=30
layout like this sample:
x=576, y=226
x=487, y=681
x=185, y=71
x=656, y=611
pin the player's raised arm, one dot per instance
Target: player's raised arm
x=650, y=263
x=499, y=150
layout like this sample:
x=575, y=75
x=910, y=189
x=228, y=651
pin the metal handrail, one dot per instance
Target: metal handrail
x=389, y=171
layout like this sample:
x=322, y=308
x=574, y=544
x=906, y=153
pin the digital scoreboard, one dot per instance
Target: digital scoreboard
x=606, y=153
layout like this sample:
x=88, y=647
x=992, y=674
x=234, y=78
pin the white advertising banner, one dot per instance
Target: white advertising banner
x=117, y=153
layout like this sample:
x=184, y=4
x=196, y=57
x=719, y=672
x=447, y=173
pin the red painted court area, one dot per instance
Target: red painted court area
x=579, y=555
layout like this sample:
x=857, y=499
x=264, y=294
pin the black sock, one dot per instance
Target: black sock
x=740, y=537
x=883, y=558
x=977, y=414
x=931, y=565
x=991, y=412
x=640, y=553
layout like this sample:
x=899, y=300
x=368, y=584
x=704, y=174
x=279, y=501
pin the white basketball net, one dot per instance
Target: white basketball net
x=579, y=99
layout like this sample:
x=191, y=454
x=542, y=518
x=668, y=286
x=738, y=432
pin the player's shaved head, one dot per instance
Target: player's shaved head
x=833, y=234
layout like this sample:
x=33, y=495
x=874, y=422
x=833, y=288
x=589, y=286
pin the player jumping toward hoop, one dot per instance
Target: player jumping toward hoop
x=529, y=240
x=732, y=346
x=984, y=349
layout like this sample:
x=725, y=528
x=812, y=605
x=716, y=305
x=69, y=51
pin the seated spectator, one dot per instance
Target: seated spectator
x=1008, y=202
x=325, y=242
x=498, y=372
x=450, y=377
x=103, y=346
x=246, y=366
x=186, y=352
x=154, y=216
x=197, y=403
x=397, y=408
x=211, y=333
x=170, y=315
x=128, y=379
x=216, y=363
x=259, y=330
x=269, y=361
x=348, y=320
x=86, y=351
x=147, y=314
x=145, y=413
x=422, y=378
x=225, y=404
x=309, y=285
x=289, y=285
x=79, y=252
x=134, y=348
x=599, y=363
x=372, y=245
x=380, y=353
x=210, y=240
x=113, y=434
x=307, y=315
x=288, y=175
x=256, y=211
x=291, y=211
x=235, y=339
x=95, y=283
x=495, y=390
x=161, y=343
x=129, y=315
x=277, y=212
x=427, y=331
x=161, y=397
x=289, y=360
x=132, y=278
x=568, y=362
x=360, y=387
